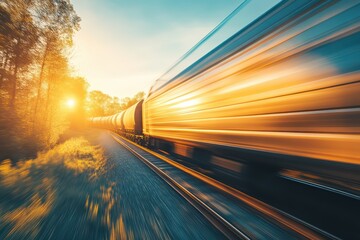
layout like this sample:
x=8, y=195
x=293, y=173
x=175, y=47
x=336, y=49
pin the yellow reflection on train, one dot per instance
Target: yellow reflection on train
x=296, y=107
x=187, y=104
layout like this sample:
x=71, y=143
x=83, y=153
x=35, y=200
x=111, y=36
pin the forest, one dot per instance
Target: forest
x=40, y=95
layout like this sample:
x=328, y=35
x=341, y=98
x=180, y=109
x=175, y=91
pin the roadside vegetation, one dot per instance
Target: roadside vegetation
x=35, y=77
x=101, y=104
x=35, y=192
x=40, y=96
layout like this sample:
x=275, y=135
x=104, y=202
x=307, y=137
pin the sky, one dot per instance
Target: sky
x=125, y=45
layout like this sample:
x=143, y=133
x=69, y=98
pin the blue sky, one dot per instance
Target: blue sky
x=125, y=45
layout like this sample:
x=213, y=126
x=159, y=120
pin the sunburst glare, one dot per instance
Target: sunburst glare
x=71, y=103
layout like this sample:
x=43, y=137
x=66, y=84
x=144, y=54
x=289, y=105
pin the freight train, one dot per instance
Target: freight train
x=283, y=92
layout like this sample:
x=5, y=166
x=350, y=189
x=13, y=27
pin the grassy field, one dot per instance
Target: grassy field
x=36, y=194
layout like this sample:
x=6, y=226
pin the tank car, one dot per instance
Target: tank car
x=132, y=122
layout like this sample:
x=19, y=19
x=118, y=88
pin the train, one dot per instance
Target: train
x=283, y=92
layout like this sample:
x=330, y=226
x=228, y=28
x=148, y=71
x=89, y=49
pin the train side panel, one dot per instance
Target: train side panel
x=133, y=119
x=295, y=91
x=119, y=125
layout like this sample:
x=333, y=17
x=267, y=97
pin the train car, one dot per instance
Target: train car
x=90, y=121
x=106, y=122
x=112, y=121
x=94, y=122
x=119, y=124
x=283, y=92
x=133, y=122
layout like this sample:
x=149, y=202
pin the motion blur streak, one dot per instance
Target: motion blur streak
x=293, y=91
x=34, y=194
x=283, y=91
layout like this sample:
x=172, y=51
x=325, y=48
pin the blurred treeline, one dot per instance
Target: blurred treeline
x=101, y=104
x=35, y=76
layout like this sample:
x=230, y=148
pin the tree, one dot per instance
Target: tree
x=20, y=36
x=35, y=76
x=5, y=29
x=128, y=102
x=58, y=22
x=101, y=104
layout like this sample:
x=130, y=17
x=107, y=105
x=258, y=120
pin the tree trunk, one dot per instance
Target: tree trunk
x=3, y=63
x=4, y=66
x=40, y=84
x=1, y=80
x=13, y=85
x=48, y=97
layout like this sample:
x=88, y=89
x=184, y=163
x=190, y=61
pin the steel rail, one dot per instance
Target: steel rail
x=323, y=187
x=229, y=230
x=303, y=228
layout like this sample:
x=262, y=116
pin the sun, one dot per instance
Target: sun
x=70, y=103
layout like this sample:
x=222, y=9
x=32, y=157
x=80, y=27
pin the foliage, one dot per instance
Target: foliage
x=35, y=191
x=35, y=77
x=101, y=104
x=36, y=80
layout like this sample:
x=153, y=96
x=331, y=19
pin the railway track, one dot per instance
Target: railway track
x=256, y=220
